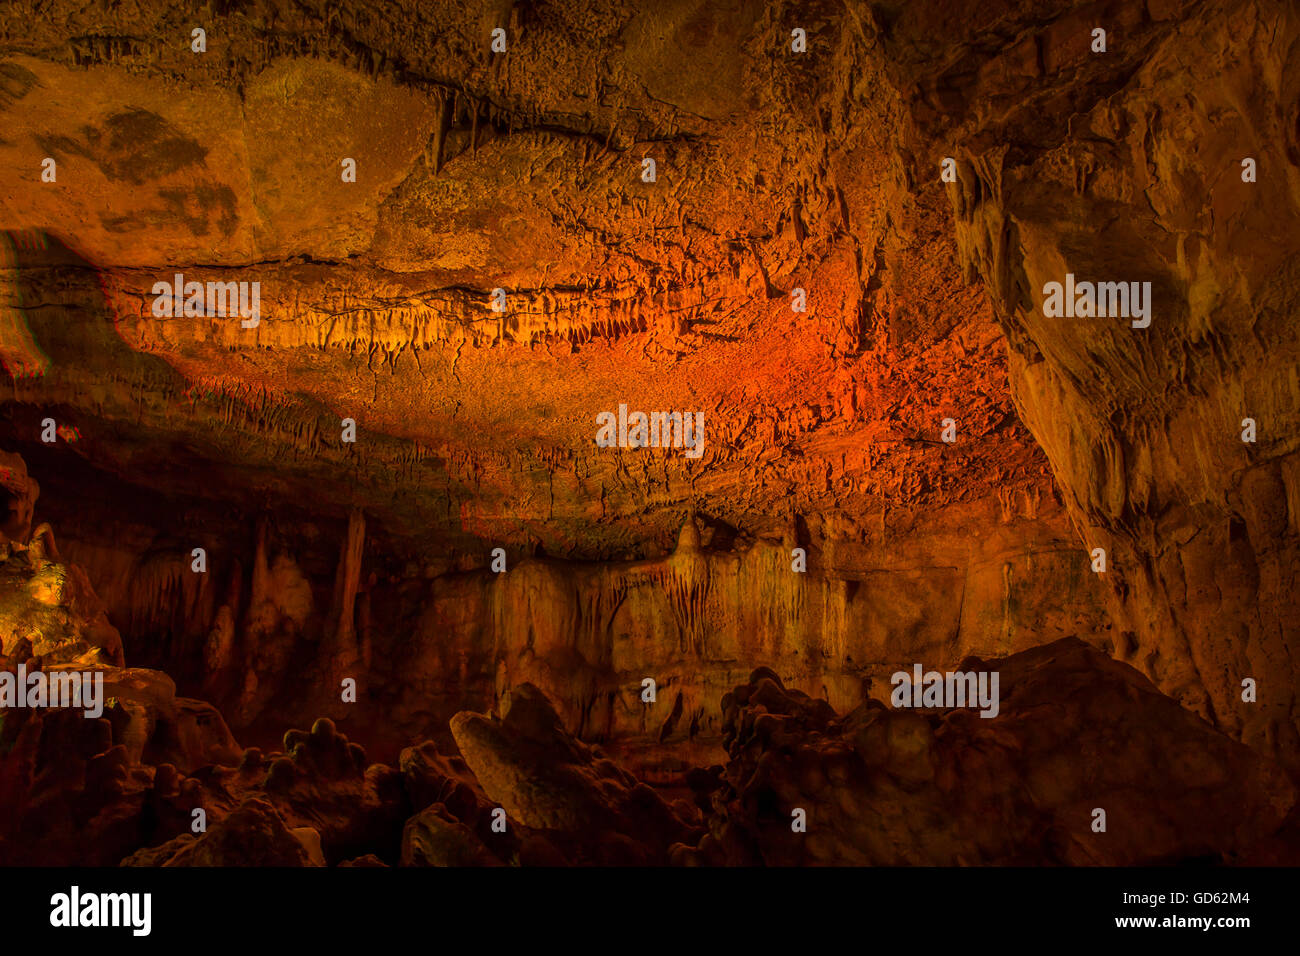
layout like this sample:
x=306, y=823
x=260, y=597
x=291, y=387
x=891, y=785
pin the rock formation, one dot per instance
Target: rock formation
x=159, y=781
x=882, y=786
x=378, y=503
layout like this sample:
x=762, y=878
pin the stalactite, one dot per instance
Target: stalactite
x=259, y=592
x=347, y=582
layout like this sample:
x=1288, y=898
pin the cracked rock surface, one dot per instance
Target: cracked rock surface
x=194, y=440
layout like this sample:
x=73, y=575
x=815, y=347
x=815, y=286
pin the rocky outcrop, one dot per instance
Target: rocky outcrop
x=158, y=781
x=18, y=494
x=87, y=783
x=323, y=781
x=1171, y=159
x=550, y=781
x=253, y=835
x=1085, y=763
x=433, y=837
x=49, y=613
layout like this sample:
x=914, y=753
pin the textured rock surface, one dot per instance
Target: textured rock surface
x=776, y=172
x=1144, y=427
x=822, y=428
x=253, y=835
x=130, y=786
x=19, y=492
x=1076, y=732
x=433, y=837
x=88, y=789
x=550, y=781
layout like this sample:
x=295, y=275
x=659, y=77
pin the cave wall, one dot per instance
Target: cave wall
x=776, y=171
x=257, y=633
x=1144, y=426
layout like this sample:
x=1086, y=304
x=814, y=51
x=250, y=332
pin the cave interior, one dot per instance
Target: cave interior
x=540, y=433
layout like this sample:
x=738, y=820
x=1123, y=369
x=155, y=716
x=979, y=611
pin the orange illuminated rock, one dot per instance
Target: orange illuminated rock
x=842, y=267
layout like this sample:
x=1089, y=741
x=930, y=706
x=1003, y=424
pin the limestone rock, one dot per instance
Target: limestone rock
x=1076, y=732
x=253, y=835
x=549, y=781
